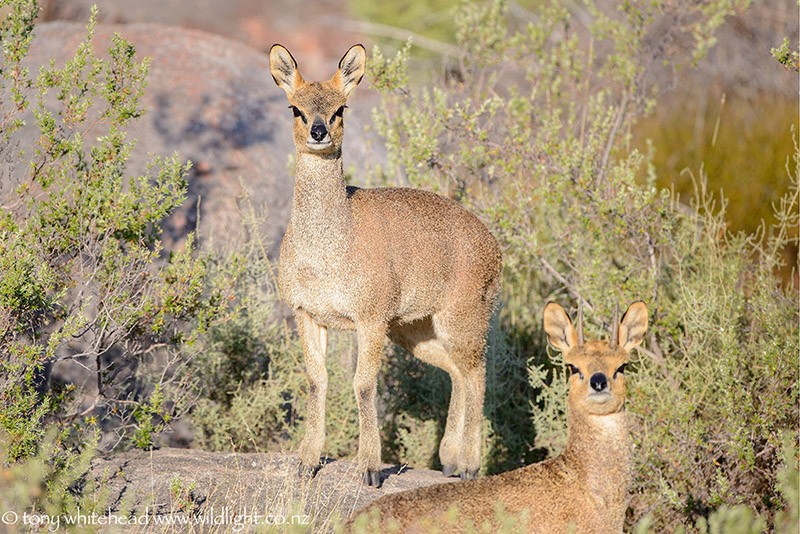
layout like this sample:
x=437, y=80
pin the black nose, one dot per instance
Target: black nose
x=318, y=131
x=598, y=382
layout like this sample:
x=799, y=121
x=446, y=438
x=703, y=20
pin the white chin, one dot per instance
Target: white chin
x=600, y=398
x=318, y=146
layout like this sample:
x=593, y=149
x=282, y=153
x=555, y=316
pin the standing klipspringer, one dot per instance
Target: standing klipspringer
x=405, y=263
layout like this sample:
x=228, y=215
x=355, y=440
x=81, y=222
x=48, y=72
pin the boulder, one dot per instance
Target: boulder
x=213, y=101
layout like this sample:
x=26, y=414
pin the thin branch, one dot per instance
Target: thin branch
x=653, y=267
x=580, y=13
x=558, y=276
x=658, y=356
x=611, y=136
x=88, y=410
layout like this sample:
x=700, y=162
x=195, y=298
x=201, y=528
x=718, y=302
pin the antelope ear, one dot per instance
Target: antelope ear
x=633, y=326
x=351, y=69
x=283, y=68
x=557, y=324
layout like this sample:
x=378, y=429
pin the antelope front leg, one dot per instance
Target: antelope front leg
x=315, y=344
x=365, y=381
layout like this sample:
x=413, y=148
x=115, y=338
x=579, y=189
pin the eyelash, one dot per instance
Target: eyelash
x=620, y=369
x=574, y=370
x=339, y=113
x=298, y=113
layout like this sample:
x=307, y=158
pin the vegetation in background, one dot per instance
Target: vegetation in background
x=431, y=19
x=83, y=277
x=787, y=56
x=717, y=138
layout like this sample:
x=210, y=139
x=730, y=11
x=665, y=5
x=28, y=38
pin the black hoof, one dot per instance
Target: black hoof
x=448, y=470
x=372, y=478
x=306, y=472
x=469, y=475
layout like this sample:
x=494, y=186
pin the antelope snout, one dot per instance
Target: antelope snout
x=598, y=382
x=319, y=134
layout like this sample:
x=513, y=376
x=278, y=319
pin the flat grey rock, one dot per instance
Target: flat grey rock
x=216, y=486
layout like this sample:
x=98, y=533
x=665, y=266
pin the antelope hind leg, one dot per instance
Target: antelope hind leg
x=469, y=458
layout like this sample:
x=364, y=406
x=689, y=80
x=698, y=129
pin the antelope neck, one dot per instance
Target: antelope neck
x=600, y=447
x=320, y=204
x=598, y=435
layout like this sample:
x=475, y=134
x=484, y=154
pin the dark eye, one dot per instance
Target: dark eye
x=620, y=369
x=298, y=113
x=574, y=370
x=339, y=113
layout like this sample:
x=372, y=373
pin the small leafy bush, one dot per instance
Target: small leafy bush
x=84, y=280
x=45, y=484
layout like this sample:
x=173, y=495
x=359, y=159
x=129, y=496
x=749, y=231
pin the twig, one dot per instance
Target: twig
x=580, y=13
x=653, y=267
x=88, y=410
x=566, y=283
x=611, y=136
x=658, y=356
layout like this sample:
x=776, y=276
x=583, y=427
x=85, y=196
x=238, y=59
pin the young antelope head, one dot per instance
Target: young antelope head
x=318, y=107
x=597, y=384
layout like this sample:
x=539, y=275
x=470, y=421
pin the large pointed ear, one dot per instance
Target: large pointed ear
x=560, y=332
x=351, y=69
x=283, y=68
x=633, y=326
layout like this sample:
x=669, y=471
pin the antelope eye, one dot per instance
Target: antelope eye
x=574, y=370
x=339, y=113
x=620, y=369
x=298, y=113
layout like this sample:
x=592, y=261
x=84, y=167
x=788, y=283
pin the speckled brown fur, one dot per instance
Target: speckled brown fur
x=584, y=488
x=402, y=263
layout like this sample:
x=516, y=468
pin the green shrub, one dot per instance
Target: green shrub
x=83, y=276
x=786, y=56
x=45, y=484
x=740, y=519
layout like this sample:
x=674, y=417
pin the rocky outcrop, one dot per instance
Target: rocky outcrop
x=214, y=490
